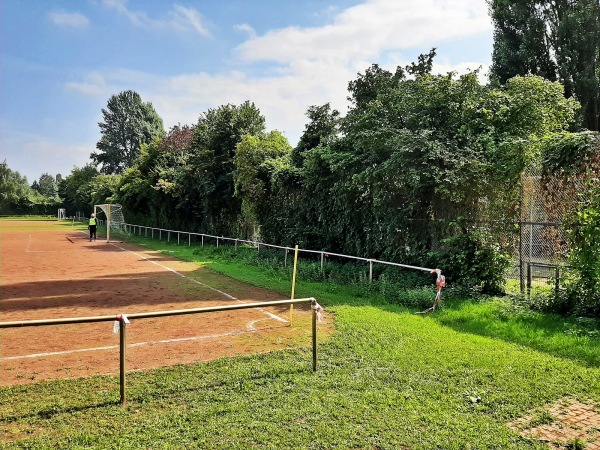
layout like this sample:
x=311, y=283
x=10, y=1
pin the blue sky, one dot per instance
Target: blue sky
x=61, y=60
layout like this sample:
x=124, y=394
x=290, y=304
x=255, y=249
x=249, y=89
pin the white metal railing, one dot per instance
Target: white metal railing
x=138, y=229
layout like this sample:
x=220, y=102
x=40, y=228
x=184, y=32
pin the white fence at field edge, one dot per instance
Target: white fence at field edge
x=187, y=235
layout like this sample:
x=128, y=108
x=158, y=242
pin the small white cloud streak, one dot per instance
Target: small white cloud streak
x=180, y=18
x=66, y=19
x=245, y=28
x=93, y=84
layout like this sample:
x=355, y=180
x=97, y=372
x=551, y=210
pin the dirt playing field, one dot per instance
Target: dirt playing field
x=51, y=270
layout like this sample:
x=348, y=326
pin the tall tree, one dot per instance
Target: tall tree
x=555, y=39
x=127, y=124
x=209, y=183
x=47, y=186
x=14, y=189
x=76, y=188
x=322, y=129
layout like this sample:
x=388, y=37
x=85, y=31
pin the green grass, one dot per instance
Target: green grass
x=387, y=379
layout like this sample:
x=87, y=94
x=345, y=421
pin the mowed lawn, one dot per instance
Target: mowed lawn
x=386, y=379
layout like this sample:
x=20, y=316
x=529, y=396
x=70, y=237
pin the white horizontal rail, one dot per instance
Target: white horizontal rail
x=258, y=244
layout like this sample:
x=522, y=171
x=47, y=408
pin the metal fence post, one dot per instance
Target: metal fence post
x=322, y=260
x=370, y=271
x=285, y=258
x=314, y=339
x=528, y=278
x=122, y=348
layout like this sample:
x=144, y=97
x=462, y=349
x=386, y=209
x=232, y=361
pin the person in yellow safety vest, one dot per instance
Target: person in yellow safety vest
x=92, y=227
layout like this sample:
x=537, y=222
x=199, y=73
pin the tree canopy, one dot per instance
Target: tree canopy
x=127, y=124
x=555, y=39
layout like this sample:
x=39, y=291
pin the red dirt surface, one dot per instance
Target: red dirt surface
x=51, y=271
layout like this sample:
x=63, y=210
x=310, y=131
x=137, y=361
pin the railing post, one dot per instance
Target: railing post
x=314, y=338
x=202, y=240
x=169, y=236
x=557, y=279
x=122, y=348
x=236, y=244
x=285, y=258
x=217, y=241
x=370, y=271
x=528, y=278
x=322, y=260
x=178, y=237
x=189, y=239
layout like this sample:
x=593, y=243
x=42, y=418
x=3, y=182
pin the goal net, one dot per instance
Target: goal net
x=112, y=213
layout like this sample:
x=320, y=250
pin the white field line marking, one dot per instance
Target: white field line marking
x=250, y=329
x=271, y=315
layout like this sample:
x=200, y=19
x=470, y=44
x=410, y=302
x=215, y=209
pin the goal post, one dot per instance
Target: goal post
x=114, y=218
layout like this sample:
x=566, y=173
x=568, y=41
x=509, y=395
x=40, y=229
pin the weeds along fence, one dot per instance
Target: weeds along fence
x=123, y=320
x=322, y=255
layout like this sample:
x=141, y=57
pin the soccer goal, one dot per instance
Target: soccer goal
x=115, y=221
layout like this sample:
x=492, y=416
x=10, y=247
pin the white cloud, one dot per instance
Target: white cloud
x=93, y=84
x=366, y=30
x=180, y=18
x=245, y=28
x=463, y=68
x=65, y=19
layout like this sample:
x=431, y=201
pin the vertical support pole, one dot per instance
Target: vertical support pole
x=217, y=241
x=322, y=261
x=370, y=271
x=556, y=279
x=189, y=239
x=168, y=236
x=314, y=339
x=285, y=257
x=236, y=244
x=294, y=284
x=152, y=234
x=122, y=348
x=258, y=247
x=202, y=240
x=160, y=234
x=178, y=237
x=528, y=278
x=108, y=223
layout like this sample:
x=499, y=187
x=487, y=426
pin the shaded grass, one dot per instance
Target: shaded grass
x=388, y=379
